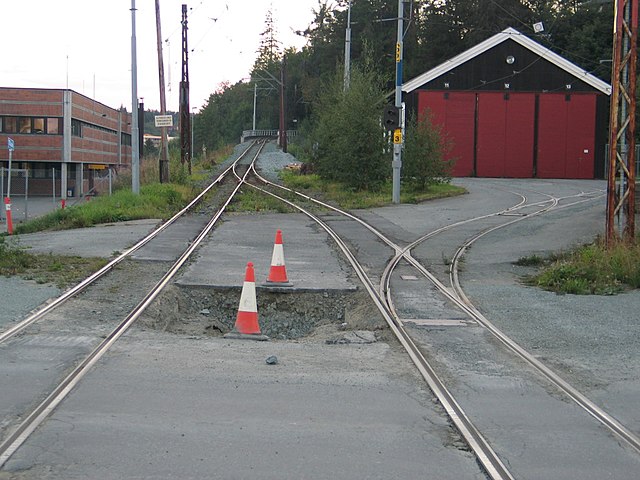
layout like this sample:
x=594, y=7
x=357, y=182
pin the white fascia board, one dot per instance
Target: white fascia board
x=508, y=33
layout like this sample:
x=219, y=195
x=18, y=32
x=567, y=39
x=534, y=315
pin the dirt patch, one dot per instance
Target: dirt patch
x=282, y=314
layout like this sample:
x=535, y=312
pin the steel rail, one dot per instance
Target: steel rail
x=14, y=330
x=16, y=438
x=457, y=296
x=485, y=454
x=584, y=402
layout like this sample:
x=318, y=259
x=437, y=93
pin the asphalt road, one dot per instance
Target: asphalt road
x=165, y=406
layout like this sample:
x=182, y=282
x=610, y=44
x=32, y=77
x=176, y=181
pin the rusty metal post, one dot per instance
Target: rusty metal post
x=164, y=145
x=185, y=116
x=622, y=158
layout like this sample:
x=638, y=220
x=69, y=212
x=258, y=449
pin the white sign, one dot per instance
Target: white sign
x=164, y=120
x=10, y=144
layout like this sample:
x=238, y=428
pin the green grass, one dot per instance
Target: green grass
x=61, y=271
x=351, y=199
x=591, y=269
x=251, y=200
x=154, y=201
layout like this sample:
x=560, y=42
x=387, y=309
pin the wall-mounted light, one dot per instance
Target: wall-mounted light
x=446, y=84
x=510, y=60
x=568, y=86
x=507, y=86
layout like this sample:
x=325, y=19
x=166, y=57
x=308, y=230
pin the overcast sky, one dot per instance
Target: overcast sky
x=85, y=45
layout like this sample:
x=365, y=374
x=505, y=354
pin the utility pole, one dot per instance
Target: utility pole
x=135, y=148
x=622, y=158
x=164, y=145
x=185, y=117
x=283, y=122
x=255, y=100
x=397, y=134
x=347, y=52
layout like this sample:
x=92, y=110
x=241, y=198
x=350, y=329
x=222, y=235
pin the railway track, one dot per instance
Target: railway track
x=380, y=292
x=33, y=418
x=383, y=299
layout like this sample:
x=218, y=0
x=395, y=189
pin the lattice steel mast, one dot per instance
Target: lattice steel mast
x=185, y=118
x=622, y=155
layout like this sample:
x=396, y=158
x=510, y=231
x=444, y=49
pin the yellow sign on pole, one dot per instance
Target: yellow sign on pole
x=398, y=52
x=397, y=136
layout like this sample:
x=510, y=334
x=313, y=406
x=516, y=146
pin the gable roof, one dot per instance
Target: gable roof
x=516, y=36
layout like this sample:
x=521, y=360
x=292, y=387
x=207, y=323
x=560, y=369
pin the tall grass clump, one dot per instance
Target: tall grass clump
x=13, y=259
x=154, y=201
x=593, y=269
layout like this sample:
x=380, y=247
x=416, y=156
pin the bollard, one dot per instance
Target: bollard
x=7, y=206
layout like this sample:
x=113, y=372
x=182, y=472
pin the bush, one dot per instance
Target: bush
x=347, y=139
x=425, y=149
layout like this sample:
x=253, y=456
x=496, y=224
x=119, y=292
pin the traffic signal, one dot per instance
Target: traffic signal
x=391, y=117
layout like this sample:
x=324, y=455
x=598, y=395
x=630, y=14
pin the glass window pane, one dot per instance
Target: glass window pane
x=10, y=125
x=53, y=126
x=38, y=125
x=25, y=125
x=76, y=128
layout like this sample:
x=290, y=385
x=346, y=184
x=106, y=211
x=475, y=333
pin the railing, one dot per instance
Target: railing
x=246, y=134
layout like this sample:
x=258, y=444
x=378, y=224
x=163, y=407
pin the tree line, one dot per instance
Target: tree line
x=435, y=30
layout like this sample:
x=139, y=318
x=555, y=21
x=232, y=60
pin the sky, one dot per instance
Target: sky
x=85, y=45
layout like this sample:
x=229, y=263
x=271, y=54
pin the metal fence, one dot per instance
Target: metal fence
x=18, y=184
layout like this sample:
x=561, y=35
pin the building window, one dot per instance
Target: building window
x=33, y=125
x=24, y=124
x=38, y=125
x=10, y=125
x=126, y=139
x=76, y=128
x=53, y=126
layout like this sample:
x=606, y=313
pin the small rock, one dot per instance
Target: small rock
x=272, y=360
x=205, y=311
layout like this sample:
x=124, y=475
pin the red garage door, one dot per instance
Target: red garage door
x=505, y=135
x=454, y=112
x=566, y=136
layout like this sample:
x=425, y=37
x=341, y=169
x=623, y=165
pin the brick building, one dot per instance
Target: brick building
x=62, y=139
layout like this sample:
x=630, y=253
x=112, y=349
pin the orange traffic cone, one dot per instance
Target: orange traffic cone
x=278, y=272
x=247, y=319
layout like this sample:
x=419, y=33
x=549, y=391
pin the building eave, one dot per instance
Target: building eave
x=507, y=34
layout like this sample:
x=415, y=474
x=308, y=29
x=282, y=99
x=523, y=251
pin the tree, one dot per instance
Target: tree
x=583, y=34
x=226, y=114
x=266, y=72
x=348, y=133
x=425, y=149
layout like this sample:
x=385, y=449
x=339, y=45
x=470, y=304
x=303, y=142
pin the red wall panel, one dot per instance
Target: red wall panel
x=454, y=112
x=505, y=135
x=566, y=136
x=552, y=134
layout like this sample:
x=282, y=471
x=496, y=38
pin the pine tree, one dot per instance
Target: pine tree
x=269, y=53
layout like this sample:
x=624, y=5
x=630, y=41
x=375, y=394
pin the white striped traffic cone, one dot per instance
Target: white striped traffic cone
x=246, y=325
x=278, y=270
